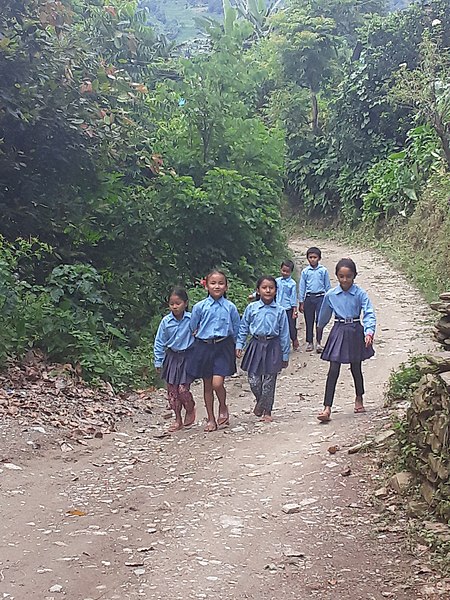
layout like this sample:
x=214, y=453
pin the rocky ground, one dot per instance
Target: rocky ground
x=97, y=508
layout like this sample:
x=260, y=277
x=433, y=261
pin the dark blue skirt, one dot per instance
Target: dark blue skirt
x=174, y=367
x=263, y=357
x=346, y=345
x=207, y=360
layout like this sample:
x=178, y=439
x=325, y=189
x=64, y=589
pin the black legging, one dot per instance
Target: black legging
x=332, y=378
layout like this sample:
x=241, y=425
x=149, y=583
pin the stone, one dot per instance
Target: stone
x=416, y=508
x=290, y=509
x=400, y=482
x=427, y=492
x=381, y=492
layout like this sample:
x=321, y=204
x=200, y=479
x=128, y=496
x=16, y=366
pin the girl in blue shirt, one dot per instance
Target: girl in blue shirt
x=268, y=350
x=350, y=341
x=172, y=345
x=215, y=324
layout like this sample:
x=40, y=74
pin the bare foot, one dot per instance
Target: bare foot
x=189, y=418
x=210, y=427
x=325, y=415
x=258, y=411
x=223, y=418
x=176, y=426
x=267, y=419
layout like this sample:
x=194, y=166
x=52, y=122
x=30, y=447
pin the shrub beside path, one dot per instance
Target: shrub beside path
x=252, y=511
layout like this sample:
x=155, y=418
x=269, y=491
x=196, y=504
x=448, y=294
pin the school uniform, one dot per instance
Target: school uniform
x=173, y=343
x=215, y=324
x=314, y=283
x=346, y=344
x=287, y=298
x=269, y=346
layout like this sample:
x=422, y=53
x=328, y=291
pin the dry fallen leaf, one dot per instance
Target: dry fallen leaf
x=75, y=512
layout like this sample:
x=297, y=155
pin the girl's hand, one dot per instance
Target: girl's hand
x=284, y=364
x=294, y=313
x=368, y=339
x=301, y=306
x=238, y=353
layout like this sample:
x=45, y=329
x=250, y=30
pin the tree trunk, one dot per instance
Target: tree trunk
x=315, y=114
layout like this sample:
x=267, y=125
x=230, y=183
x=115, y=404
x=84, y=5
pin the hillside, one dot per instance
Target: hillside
x=177, y=18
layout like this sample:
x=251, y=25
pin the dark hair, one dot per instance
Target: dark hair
x=288, y=263
x=269, y=278
x=216, y=272
x=180, y=293
x=314, y=250
x=348, y=263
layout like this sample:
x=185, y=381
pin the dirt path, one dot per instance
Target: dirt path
x=199, y=515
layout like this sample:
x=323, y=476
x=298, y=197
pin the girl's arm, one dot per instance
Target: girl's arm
x=159, y=346
x=244, y=330
x=195, y=318
x=235, y=321
x=325, y=313
x=369, y=320
x=285, y=339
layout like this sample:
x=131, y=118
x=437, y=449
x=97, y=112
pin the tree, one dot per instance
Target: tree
x=426, y=89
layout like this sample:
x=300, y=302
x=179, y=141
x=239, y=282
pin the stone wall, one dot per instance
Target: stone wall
x=442, y=327
x=427, y=434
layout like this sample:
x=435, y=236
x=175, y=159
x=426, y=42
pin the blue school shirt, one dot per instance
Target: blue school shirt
x=314, y=281
x=215, y=318
x=346, y=305
x=174, y=334
x=286, y=292
x=265, y=319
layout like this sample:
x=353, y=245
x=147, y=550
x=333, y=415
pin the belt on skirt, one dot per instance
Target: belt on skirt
x=348, y=320
x=264, y=338
x=215, y=340
x=178, y=351
x=311, y=294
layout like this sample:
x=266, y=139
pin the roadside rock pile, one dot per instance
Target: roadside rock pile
x=428, y=434
x=442, y=327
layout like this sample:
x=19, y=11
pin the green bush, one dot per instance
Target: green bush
x=402, y=382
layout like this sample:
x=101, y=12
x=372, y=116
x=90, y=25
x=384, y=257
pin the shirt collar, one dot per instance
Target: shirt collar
x=261, y=304
x=185, y=316
x=314, y=268
x=351, y=290
x=210, y=300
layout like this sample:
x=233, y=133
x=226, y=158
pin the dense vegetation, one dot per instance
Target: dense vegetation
x=126, y=168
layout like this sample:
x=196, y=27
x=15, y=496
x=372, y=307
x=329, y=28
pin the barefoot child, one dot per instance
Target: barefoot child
x=268, y=350
x=172, y=345
x=287, y=298
x=349, y=342
x=314, y=283
x=215, y=323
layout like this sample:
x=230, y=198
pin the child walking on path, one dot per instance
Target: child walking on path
x=349, y=342
x=287, y=298
x=314, y=283
x=215, y=323
x=172, y=345
x=268, y=350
